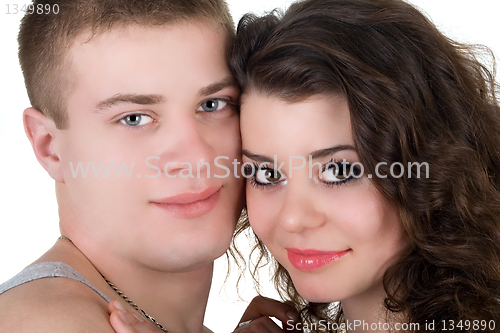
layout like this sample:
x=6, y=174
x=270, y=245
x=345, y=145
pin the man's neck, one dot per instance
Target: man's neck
x=176, y=300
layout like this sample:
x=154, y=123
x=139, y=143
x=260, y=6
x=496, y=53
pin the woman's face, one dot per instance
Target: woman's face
x=336, y=235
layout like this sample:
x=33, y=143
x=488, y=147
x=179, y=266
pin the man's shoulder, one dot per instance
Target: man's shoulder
x=53, y=305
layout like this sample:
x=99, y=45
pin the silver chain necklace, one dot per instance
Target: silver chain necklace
x=135, y=306
x=126, y=299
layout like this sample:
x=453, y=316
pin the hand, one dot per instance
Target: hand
x=259, y=311
x=123, y=321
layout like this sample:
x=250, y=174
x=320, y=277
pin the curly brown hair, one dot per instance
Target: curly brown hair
x=414, y=95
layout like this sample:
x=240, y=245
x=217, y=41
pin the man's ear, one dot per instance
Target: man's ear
x=41, y=132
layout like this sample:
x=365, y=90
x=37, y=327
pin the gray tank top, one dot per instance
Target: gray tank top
x=48, y=270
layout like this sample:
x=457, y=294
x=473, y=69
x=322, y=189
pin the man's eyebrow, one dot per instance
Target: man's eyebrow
x=149, y=99
x=329, y=151
x=256, y=157
x=218, y=86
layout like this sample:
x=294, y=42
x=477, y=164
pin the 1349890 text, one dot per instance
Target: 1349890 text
x=44, y=9
x=467, y=325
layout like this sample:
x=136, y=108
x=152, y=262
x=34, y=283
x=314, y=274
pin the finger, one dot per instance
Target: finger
x=266, y=307
x=268, y=324
x=120, y=322
x=261, y=325
x=125, y=322
x=111, y=307
x=127, y=317
x=292, y=327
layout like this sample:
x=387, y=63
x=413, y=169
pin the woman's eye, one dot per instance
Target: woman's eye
x=337, y=173
x=268, y=176
x=136, y=120
x=211, y=105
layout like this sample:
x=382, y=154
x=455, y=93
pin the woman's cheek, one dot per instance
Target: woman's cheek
x=260, y=212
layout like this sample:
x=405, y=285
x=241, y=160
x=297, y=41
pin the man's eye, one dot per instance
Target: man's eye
x=268, y=176
x=136, y=120
x=211, y=105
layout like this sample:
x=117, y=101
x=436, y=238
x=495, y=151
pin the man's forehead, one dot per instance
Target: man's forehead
x=108, y=62
x=124, y=29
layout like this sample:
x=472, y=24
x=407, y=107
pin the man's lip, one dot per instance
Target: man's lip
x=190, y=205
x=188, y=197
x=311, y=259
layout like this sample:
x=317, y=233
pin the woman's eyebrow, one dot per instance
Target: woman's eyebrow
x=257, y=157
x=314, y=155
x=329, y=151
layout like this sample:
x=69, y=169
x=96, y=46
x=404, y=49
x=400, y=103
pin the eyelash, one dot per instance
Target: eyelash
x=253, y=179
x=356, y=170
x=121, y=120
x=259, y=185
x=229, y=102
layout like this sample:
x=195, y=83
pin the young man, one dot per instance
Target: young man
x=133, y=117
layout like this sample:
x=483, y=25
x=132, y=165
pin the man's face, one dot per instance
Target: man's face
x=151, y=102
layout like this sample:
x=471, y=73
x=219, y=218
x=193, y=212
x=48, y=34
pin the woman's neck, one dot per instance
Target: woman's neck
x=366, y=312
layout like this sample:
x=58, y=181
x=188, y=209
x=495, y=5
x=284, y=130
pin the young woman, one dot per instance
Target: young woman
x=374, y=147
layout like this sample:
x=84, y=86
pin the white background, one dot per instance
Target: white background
x=28, y=220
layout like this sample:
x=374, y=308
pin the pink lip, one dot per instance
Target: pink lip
x=308, y=260
x=189, y=205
